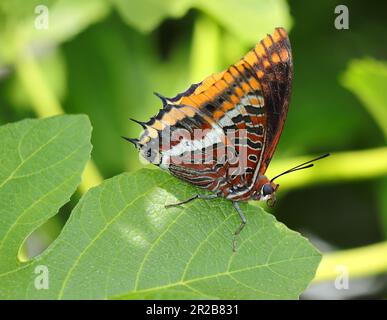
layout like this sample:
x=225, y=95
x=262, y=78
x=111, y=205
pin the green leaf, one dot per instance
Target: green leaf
x=41, y=162
x=367, y=80
x=247, y=19
x=66, y=18
x=120, y=241
x=126, y=61
x=146, y=15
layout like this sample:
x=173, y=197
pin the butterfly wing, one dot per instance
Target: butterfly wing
x=276, y=84
x=226, y=128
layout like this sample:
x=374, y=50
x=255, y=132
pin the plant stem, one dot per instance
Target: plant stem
x=364, y=261
x=339, y=167
x=342, y=166
x=90, y=177
x=45, y=104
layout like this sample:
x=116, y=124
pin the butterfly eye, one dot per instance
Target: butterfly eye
x=267, y=189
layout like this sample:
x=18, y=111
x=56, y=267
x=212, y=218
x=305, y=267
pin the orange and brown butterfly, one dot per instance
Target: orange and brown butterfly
x=221, y=133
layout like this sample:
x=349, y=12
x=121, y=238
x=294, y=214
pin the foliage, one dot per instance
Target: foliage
x=238, y=17
x=104, y=58
x=41, y=166
x=366, y=78
x=121, y=230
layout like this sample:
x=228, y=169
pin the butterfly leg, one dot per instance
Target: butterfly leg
x=241, y=226
x=198, y=196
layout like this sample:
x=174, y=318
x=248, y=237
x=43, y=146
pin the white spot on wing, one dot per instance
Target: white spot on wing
x=212, y=137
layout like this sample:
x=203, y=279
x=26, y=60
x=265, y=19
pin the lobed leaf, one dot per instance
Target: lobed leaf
x=120, y=241
x=41, y=162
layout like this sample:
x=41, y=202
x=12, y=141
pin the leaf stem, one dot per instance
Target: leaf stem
x=364, y=261
x=45, y=104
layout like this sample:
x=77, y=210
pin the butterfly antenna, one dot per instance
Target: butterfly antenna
x=305, y=165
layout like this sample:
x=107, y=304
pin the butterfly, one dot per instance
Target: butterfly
x=221, y=133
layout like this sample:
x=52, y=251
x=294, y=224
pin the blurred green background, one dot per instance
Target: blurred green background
x=105, y=58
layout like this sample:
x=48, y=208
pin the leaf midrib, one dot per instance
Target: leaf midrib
x=37, y=150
